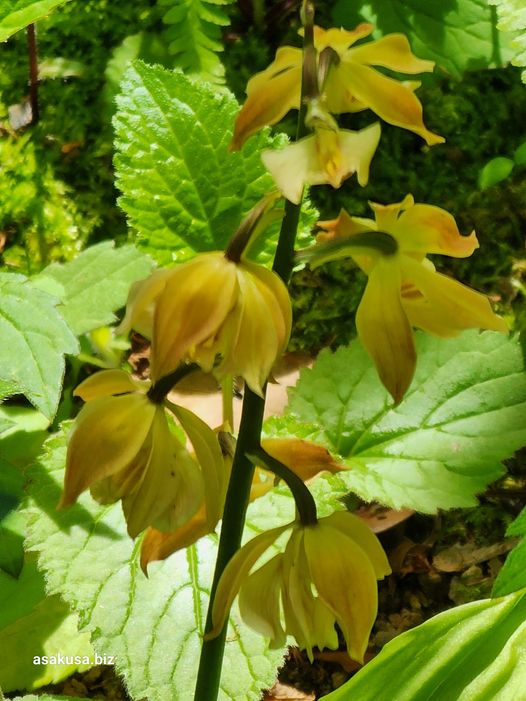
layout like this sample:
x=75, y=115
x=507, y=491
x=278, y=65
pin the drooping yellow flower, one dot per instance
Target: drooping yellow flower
x=404, y=289
x=121, y=447
x=326, y=575
x=326, y=157
x=352, y=84
x=234, y=318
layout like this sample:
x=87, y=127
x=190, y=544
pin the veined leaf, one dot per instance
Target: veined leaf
x=46, y=697
x=156, y=624
x=464, y=413
x=474, y=652
x=195, y=36
x=182, y=189
x=512, y=576
x=17, y=14
x=95, y=284
x=459, y=36
x=512, y=18
x=35, y=338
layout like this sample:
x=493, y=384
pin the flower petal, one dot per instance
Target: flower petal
x=340, y=39
x=451, y=304
x=391, y=51
x=384, y=329
x=108, y=434
x=259, y=601
x=345, y=580
x=109, y=382
x=386, y=215
x=289, y=166
x=355, y=529
x=425, y=228
x=304, y=458
x=391, y=100
x=270, y=95
x=140, y=304
x=235, y=573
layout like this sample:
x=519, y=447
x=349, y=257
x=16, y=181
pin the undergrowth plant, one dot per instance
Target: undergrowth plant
x=142, y=535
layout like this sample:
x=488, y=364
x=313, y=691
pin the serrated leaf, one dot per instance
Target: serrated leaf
x=464, y=413
x=474, y=652
x=512, y=576
x=17, y=14
x=95, y=284
x=182, y=190
x=35, y=338
x=156, y=624
x=495, y=171
x=458, y=36
x=512, y=18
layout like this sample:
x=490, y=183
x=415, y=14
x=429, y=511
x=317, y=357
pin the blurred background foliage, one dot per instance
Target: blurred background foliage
x=57, y=182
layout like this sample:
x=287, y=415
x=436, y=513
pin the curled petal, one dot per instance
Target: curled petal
x=304, y=458
x=386, y=215
x=283, y=311
x=388, y=98
x=235, y=573
x=270, y=95
x=425, y=228
x=107, y=436
x=449, y=306
x=384, y=329
x=340, y=39
x=346, y=583
x=392, y=51
x=140, y=304
x=109, y=382
x=189, y=311
x=259, y=601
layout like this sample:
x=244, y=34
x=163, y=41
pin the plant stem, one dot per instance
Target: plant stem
x=164, y=386
x=227, y=401
x=33, y=72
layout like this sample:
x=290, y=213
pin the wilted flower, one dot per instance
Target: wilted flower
x=234, y=318
x=351, y=85
x=326, y=575
x=326, y=157
x=404, y=288
x=122, y=447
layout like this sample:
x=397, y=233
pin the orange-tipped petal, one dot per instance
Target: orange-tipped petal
x=304, y=458
x=108, y=382
x=391, y=100
x=386, y=215
x=392, y=51
x=384, y=329
x=425, y=228
x=270, y=95
x=340, y=39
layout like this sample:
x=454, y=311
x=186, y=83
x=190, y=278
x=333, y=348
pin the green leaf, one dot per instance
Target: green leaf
x=34, y=340
x=95, y=284
x=194, y=33
x=512, y=18
x=464, y=413
x=46, y=697
x=155, y=625
x=471, y=653
x=182, y=189
x=520, y=154
x=495, y=171
x=512, y=576
x=459, y=36
x=17, y=14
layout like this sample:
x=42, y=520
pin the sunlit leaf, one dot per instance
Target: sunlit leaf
x=17, y=14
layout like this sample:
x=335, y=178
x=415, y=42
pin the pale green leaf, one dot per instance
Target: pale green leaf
x=155, y=625
x=512, y=18
x=519, y=155
x=474, y=652
x=95, y=284
x=35, y=338
x=512, y=576
x=464, y=413
x=459, y=36
x=495, y=171
x=46, y=697
x=17, y=14
x=182, y=189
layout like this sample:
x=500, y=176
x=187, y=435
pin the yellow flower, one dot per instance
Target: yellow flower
x=327, y=156
x=404, y=289
x=234, y=318
x=326, y=575
x=352, y=83
x=122, y=448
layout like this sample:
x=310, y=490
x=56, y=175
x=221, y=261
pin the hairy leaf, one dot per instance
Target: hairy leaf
x=95, y=284
x=35, y=338
x=512, y=576
x=194, y=33
x=46, y=697
x=474, y=652
x=17, y=14
x=464, y=413
x=155, y=625
x=512, y=18
x=182, y=190
x=459, y=36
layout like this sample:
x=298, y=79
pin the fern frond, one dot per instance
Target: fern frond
x=194, y=33
x=512, y=18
